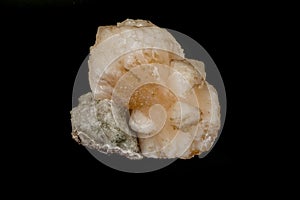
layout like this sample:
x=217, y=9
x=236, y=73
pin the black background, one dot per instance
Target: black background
x=44, y=46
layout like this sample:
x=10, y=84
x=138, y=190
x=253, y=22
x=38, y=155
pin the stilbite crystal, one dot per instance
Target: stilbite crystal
x=147, y=99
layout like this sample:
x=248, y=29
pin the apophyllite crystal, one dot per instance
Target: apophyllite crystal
x=147, y=99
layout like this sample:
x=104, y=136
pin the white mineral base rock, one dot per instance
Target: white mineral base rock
x=94, y=126
x=147, y=99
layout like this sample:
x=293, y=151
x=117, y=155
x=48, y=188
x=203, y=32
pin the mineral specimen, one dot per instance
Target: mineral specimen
x=147, y=99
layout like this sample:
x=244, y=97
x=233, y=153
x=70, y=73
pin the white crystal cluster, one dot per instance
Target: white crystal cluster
x=147, y=99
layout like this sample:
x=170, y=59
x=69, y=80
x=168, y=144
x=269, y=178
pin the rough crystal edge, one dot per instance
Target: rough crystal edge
x=107, y=149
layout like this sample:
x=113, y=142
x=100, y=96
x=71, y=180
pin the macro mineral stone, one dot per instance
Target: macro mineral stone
x=147, y=99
